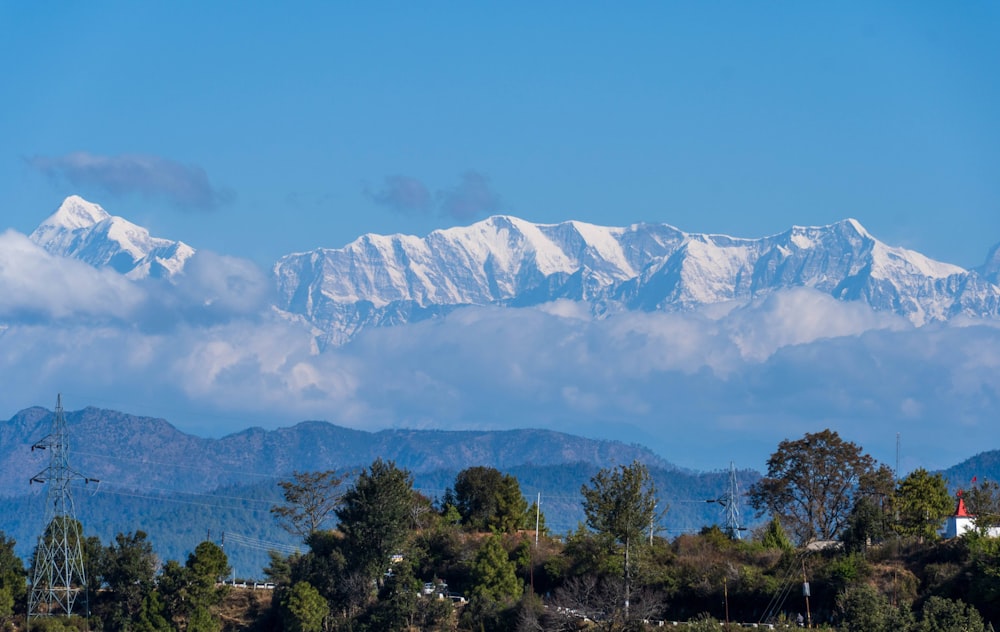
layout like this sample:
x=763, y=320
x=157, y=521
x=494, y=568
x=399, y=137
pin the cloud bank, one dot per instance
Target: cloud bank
x=185, y=186
x=702, y=388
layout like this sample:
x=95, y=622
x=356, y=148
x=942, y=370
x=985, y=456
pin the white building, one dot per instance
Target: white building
x=962, y=521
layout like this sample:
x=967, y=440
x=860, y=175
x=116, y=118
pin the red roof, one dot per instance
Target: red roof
x=960, y=511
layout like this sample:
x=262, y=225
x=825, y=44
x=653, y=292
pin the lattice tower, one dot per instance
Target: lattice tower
x=59, y=580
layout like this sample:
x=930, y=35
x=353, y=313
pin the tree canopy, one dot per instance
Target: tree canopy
x=923, y=502
x=374, y=517
x=812, y=484
x=488, y=500
x=311, y=498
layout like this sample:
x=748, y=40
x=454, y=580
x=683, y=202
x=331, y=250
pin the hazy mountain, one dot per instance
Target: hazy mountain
x=181, y=489
x=127, y=451
x=983, y=466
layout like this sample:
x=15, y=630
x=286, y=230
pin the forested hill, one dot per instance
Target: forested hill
x=131, y=451
x=983, y=466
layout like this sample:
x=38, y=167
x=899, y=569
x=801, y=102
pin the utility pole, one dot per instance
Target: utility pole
x=59, y=580
x=805, y=593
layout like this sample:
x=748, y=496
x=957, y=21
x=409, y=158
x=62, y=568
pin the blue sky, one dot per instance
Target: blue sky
x=252, y=130
x=256, y=129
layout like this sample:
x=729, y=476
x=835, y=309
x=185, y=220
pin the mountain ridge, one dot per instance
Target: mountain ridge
x=130, y=451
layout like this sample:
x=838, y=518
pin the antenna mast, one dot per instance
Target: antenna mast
x=59, y=580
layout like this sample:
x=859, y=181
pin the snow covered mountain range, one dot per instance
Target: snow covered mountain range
x=382, y=280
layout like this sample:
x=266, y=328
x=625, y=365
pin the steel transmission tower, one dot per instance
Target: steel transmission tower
x=58, y=584
x=731, y=505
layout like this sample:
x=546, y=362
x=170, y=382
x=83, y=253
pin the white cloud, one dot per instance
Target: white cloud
x=701, y=390
x=37, y=287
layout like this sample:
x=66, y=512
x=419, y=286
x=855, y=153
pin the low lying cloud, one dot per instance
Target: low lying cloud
x=185, y=186
x=36, y=287
x=701, y=388
x=471, y=198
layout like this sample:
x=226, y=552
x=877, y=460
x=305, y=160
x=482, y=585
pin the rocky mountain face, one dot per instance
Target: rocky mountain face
x=385, y=280
x=128, y=451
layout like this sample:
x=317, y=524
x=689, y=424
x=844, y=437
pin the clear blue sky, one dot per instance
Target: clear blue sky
x=258, y=129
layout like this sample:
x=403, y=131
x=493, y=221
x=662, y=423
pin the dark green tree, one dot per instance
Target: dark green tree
x=190, y=591
x=494, y=574
x=152, y=615
x=983, y=502
x=311, y=498
x=863, y=609
x=12, y=578
x=621, y=503
x=922, y=502
x=495, y=586
x=812, y=485
x=774, y=537
x=128, y=569
x=489, y=500
x=375, y=518
x=948, y=615
x=305, y=609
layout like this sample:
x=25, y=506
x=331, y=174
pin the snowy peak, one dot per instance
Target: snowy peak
x=502, y=260
x=384, y=280
x=83, y=230
x=76, y=212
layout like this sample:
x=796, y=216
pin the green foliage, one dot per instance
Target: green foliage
x=847, y=570
x=152, y=615
x=127, y=569
x=12, y=577
x=189, y=591
x=984, y=582
x=59, y=624
x=305, y=608
x=494, y=575
x=867, y=524
x=704, y=622
x=374, y=517
x=620, y=504
x=863, y=609
x=983, y=502
x=774, y=536
x=948, y=615
x=310, y=499
x=488, y=500
x=812, y=483
x=923, y=502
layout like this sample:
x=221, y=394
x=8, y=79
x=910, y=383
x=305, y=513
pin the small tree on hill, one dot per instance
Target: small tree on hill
x=621, y=503
x=311, y=498
x=923, y=502
x=488, y=500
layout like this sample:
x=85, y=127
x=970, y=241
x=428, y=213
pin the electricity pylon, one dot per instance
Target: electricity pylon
x=731, y=505
x=59, y=581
